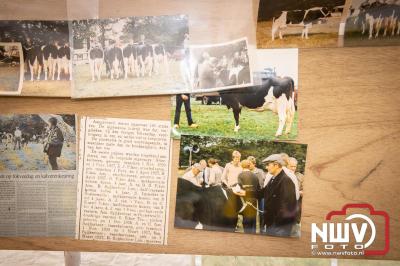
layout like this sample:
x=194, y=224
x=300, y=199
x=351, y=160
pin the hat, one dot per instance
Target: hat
x=275, y=158
x=198, y=167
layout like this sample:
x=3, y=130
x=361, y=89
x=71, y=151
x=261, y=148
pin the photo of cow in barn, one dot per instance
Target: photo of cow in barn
x=46, y=53
x=11, y=68
x=128, y=56
x=267, y=109
x=218, y=192
x=373, y=22
x=220, y=66
x=290, y=23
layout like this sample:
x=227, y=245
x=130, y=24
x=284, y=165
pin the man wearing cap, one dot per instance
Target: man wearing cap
x=232, y=170
x=193, y=174
x=280, y=203
x=54, y=143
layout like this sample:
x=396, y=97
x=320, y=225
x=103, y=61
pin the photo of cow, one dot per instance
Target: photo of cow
x=242, y=186
x=266, y=110
x=220, y=66
x=373, y=23
x=11, y=68
x=46, y=54
x=299, y=24
x=37, y=142
x=129, y=56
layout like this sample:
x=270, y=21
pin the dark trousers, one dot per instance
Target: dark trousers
x=249, y=224
x=53, y=162
x=261, y=215
x=17, y=143
x=179, y=102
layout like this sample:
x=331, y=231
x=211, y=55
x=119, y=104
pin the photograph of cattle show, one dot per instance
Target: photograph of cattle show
x=11, y=68
x=37, y=142
x=129, y=56
x=220, y=66
x=266, y=110
x=236, y=185
x=46, y=55
x=299, y=24
x=373, y=23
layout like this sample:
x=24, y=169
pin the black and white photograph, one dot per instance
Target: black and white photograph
x=299, y=24
x=220, y=66
x=11, y=68
x=373, y=23
x=37, y=142
x=266, y=110
x=129, y=56
x=46, y=53
x=242, y=186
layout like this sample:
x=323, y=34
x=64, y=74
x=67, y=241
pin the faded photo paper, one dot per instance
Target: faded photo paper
x=373, y=23
x=129, y=56
x=299, y=24
x=46, y=53
x=267, y=110
x=243, y=186
x=124, y=180
x=37, y=175
x=220, y=66
x=11, y=68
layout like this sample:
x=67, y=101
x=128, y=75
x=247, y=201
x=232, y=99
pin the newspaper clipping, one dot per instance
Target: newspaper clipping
x=123, y=181
x=37, y=175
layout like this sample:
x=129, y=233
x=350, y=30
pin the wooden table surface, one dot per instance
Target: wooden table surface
x=349, y=115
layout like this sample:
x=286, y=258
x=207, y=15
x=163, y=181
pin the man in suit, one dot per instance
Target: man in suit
x=280, y=206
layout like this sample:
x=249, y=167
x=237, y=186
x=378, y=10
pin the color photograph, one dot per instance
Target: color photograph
x=242, y=186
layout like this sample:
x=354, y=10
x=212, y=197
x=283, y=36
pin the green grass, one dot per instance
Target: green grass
x=217, y=120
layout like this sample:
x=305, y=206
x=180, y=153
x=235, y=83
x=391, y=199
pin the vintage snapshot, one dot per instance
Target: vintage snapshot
x=220, y=66
x=129, y=56
x=124, y=175
x=11, y=68
x=46, y=54
x=266, y=110
x=245, y=186
x=299, y=24
x=373, y=23
x=38, y=174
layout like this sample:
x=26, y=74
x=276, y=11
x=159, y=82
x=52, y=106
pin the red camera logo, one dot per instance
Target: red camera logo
x=348, y=237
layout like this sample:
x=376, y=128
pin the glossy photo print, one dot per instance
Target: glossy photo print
x=242, y=186
x=266, y=110
x=46, y=54
x=129, y=56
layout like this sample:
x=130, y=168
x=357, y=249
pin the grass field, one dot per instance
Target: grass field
x=157, y=84
x=9, y=78
x=217, y=120
x=324, y=35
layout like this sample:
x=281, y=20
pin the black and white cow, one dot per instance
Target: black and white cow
x=130, y=55
x=298, y=18
x=213, y=208
x=160, y=59
x=96, y=59
x=145, y=59
x=50, y=55
x=275, y=94
x=64, y=64
x=34, y=59
x=114, y=62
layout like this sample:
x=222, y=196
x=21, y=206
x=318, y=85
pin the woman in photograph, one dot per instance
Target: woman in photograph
x=54, y=143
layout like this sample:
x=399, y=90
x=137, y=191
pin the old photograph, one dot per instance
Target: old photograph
x=129, y=56
x=266, y=110
x=220, y=66
x=11, y=68
x=46, y=53
x=245, y=186
x=37, y=142
x=299, y=24
x=373, y=23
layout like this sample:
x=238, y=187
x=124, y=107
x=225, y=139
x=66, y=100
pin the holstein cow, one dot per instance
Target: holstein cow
x=212, y=208
x=34, y=59
x=145, y=59
x=114, y=62
x=50, y=55
x=96, y=58
x=299, y=18
x=130, y=60
x=160, y=59
x=275, y=94
x=64, y=61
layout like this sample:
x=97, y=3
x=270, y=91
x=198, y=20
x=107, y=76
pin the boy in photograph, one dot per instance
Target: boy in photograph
x=54, y=144
x=261, y=178
x=232, y=170
x=216, y=170
x=17, y=138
